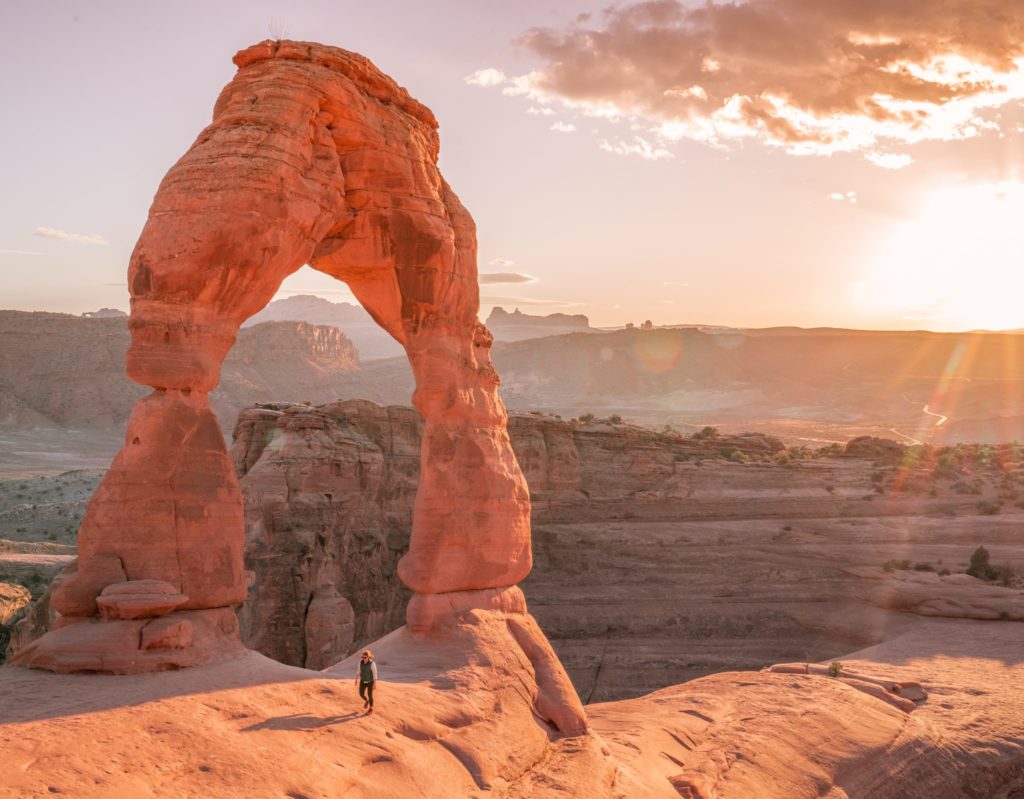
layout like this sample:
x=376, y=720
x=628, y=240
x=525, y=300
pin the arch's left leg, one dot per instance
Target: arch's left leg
x=164, y=532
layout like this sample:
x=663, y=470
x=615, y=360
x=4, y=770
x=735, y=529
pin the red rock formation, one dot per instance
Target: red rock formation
x=313, y=156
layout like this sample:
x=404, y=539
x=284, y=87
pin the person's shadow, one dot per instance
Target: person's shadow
x=300, y=721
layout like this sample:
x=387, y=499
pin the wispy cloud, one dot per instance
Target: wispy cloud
x=19, y=252
x=501, y=262
x=639, y=146
x=563, y=127
x=889, y=160
x=803, y=75
x=486, y=77
x=840, y=197
x=487, y=278
x=77, y=238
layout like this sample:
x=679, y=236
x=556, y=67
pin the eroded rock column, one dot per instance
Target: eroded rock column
x=242, y=209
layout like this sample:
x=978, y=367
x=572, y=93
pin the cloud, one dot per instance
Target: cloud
x=19, y=252
x=563, y=127
x=839, y=197
x=501, y=262
x=810, y=76
x=889, y=160
x=487, y=278
x=63, y=235
x=486, y=78
x=494, y=300
x=640, y=146
x=539, y=111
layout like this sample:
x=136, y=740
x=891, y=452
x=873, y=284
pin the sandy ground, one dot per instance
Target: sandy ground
x=51, y=451
x=453, y=719
x=46, y=507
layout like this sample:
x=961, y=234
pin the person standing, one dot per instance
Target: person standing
x=366, y=677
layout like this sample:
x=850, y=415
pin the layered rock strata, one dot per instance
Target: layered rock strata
x=656, y=558
x=314, y=156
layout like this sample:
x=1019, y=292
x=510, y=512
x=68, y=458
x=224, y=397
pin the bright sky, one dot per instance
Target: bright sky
x=808, y=162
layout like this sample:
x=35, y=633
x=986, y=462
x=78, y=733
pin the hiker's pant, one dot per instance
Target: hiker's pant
x=366, y=692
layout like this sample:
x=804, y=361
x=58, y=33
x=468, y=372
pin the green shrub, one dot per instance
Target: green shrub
x=835, y=669
x=1003, y=575
x=981, y=567
x=893, y=565
x=987, y=507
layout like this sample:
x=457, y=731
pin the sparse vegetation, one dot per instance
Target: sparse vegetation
x=835, y=669
x=734, y=454
x=987, y=507
x=893, y=565
x=980, y=566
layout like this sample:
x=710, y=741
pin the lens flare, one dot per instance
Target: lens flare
x=658, y=351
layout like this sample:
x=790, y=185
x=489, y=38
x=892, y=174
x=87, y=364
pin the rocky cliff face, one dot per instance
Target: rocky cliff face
x=657, y=558
x=329, y=497
x=58, y=370
x=328, y=505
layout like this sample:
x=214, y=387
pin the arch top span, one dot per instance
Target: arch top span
x=313, y=156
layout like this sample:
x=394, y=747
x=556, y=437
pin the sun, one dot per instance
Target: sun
x=958, y=264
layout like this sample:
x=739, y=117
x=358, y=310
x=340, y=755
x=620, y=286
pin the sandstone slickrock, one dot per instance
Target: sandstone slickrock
x=954, y=596
x=313, y=156
x=457, y=716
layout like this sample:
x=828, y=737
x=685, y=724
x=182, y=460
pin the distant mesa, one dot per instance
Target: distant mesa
x=105, y=313
x=368, y=337
x=519, y=326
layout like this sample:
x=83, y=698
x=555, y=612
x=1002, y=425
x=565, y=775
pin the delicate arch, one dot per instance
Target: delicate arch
x=313, y=156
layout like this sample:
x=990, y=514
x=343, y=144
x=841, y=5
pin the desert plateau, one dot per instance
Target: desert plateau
x=677, y=455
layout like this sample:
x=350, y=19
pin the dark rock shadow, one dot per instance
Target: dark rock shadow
x=300, y=721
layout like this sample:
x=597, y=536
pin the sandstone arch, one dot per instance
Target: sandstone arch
x=313, y=156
